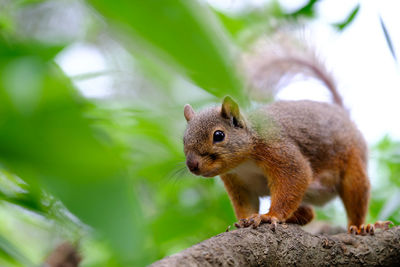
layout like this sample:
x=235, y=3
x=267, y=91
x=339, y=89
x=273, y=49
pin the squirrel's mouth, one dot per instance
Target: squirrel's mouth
x=209, y=174
x=199, y=169
x=204, y=174
x=196, y=172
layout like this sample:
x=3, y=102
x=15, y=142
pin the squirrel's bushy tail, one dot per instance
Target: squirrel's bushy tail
x=273, y=62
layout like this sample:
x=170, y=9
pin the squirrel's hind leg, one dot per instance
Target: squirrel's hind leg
x=354, y=190
x=303, y=215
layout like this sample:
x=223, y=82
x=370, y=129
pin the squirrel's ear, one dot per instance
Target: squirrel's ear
x=188, y=112
x=230, y=110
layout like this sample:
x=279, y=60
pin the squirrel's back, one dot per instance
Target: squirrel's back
x=322, y=131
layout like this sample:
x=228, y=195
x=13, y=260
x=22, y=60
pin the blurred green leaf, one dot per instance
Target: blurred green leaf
x=308, y=11
x=387, y=38
x=386, y=195
x=11, y=254
x=46, y=139
x=184, y=31
x=375, y=206
x=15, y=191
x=248, y=25
x=45, y=52
x=25, y=200
x=342, y=25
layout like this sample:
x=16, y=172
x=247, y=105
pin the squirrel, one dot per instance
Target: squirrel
x=300, y=153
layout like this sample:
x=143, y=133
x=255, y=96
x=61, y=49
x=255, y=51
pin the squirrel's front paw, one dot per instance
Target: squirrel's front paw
x=256, y=219
x=270, y=219
x=253, y=220
x=243, y=223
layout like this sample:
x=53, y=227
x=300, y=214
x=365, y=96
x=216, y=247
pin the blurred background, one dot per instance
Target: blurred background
x=91, y=115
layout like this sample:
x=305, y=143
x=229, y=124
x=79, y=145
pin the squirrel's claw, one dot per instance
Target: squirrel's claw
x=270, y=219
x=369, y=229
x=353, y=230
x=253, y=220
x=242, y=223
x=384, y=225
x=256, y=219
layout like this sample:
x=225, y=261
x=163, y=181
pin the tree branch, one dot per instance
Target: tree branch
x=290, y=245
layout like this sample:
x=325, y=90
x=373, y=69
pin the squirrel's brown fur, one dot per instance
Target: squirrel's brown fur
x=298, y=152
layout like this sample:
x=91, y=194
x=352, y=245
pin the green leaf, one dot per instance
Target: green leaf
x=11, y=50
x=387, y=38
x=11, y=254
x=308, y=11
x=342, y=25
x=183, y=33
x=46, y=139
x=25, y=200
x=248, y=25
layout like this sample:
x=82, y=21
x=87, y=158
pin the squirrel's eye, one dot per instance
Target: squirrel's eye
x=218, y=136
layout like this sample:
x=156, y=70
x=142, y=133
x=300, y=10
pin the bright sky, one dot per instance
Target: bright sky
x=367, y=75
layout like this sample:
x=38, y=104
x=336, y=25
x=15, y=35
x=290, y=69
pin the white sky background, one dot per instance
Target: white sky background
x=368, y=76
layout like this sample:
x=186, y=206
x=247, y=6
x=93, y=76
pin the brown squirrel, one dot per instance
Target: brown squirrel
x=298, y=152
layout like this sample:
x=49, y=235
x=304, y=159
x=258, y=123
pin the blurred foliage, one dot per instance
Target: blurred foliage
x=185, y=32
x=248, y=25
x=46, y=139
x=385, y=202
x=342, y=25
x=388, y=38
x=108, y=172
x=308, y=10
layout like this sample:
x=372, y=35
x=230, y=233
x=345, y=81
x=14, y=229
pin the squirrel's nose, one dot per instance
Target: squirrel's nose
x=193, y=165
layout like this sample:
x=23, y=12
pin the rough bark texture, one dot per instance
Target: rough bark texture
x=290, y=245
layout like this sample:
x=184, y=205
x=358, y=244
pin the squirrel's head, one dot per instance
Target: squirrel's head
x=216, y=139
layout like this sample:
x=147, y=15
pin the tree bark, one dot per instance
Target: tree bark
x=290, y=245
